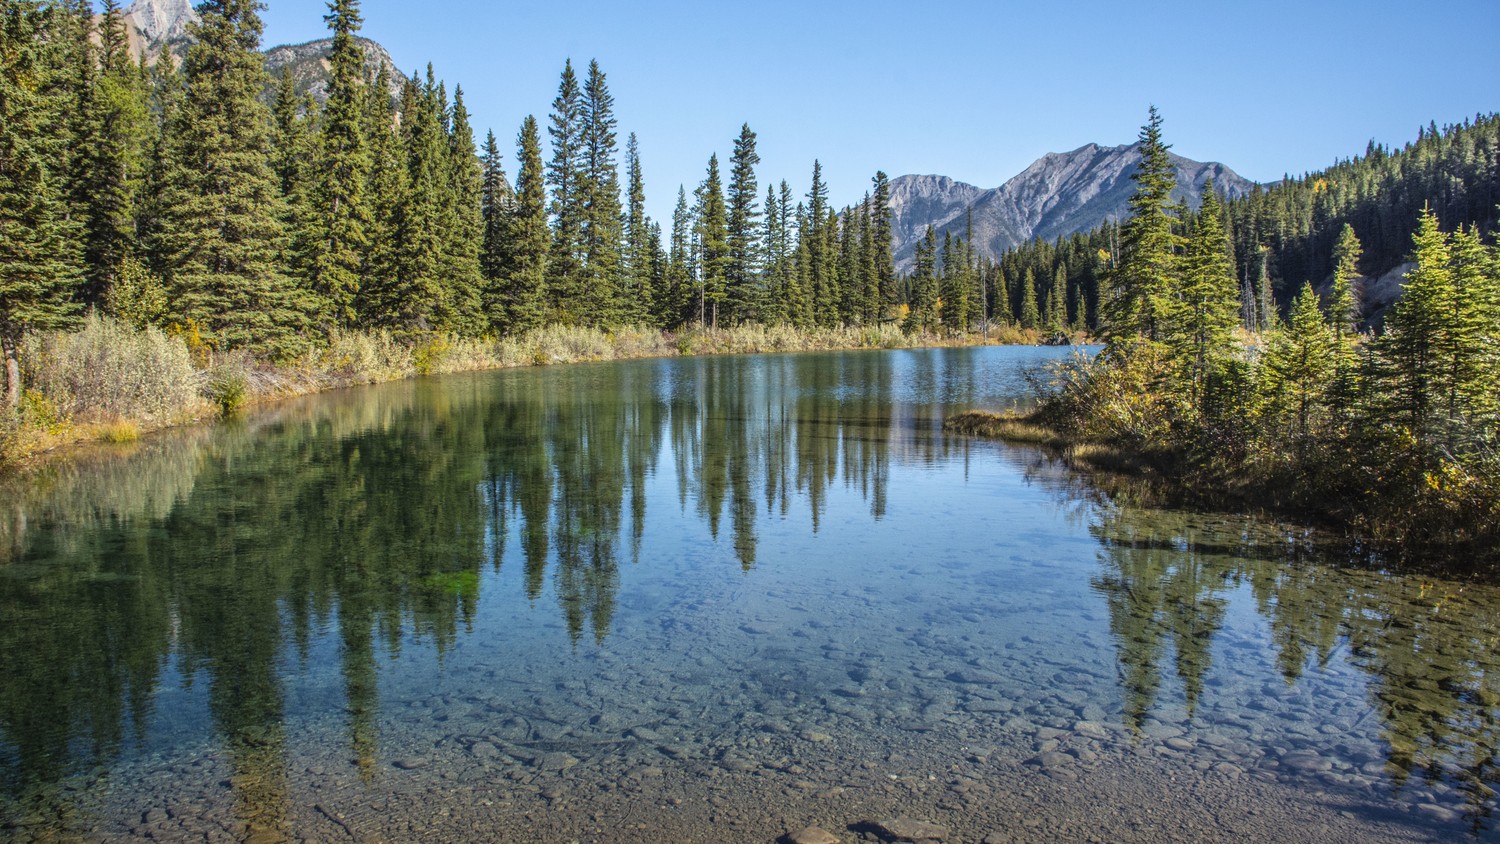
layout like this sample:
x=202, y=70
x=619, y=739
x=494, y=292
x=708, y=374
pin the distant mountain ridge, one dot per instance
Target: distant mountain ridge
x=1058, y=194
x=156, y=26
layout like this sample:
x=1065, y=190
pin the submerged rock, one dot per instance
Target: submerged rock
x=910, y=829
x=812, y=835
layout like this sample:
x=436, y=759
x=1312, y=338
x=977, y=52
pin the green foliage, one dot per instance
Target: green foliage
x=337, y=232
x=222, y=236
x=137, y=296
x=227, y=387
x=742, y=298
x=1141, y=284
x=38, y=272
x=712, y=231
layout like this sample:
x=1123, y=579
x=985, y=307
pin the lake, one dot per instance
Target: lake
x=705, y=599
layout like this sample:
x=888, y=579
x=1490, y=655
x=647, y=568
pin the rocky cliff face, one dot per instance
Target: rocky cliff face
x=157, y=26
x=1059, y=194
x=308, y=64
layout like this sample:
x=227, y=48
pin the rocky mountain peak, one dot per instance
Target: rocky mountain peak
x=1056, y=195
x=156, y=25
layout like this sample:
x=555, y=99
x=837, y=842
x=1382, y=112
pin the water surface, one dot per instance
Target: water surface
x=711, y=599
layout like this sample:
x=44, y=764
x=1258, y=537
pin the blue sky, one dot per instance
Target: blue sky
x=972, y=90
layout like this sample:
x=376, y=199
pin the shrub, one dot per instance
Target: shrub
x=107, y=370
x=227, y=387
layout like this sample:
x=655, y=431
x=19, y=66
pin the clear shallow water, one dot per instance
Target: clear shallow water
x=713, y=599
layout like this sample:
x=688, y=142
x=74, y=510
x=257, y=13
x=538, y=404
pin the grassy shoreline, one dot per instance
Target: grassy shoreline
x=107, y=383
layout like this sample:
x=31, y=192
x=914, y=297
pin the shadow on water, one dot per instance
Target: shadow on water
x=212, y=556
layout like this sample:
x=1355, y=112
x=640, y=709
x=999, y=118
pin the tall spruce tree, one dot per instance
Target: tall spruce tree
x=564, y=264
x=924, y=286
x=1344, y=309
x=1031, y=317
x=1142, y=284
x=673, y=302
x=417, y=299
x=742, y=299
x=339, y=210
x=636, y=305
x=822, y=252
x=120, y=124
x=222, y=236
x=885, y=262
x=524, y=275
x=463, y=225
x=496, y=205
x=37, y=281
x=713, y=244
x=387, y=194
x=599, y=195
x=1204, y=312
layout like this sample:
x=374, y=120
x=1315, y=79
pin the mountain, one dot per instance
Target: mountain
x=157, y=26
x=311, y=72
x=1059, y=194
x=154, y=26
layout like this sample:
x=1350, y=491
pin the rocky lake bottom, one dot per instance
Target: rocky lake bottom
x=822, y=616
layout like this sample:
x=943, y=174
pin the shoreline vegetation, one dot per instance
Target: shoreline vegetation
x=110, y=383
x=1392, y=436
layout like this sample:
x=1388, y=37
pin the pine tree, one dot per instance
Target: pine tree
x=120, y=125
x=222, y=236
x=417, y=300
x=1143, y=282
x=524, y=276
x=36, y=279
x=564, y=264
x=1057, y=301
x=672, y=304
x=463, y=226
x=1344, y=308
x=1030, y=316
x=924, y=286
x=712, y=231
x=742, y=300
x=636, y=304
x=1202, y=316
x=496, y=205
x=955, y=286
x=599, y=195
x=1432, y=353
x=774, y=267
x=387, y=187
x=885, y=262
x=819, y=263
x=339, y=211
x=1296, y=371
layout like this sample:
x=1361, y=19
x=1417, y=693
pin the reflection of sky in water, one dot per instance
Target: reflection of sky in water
x=458, y=577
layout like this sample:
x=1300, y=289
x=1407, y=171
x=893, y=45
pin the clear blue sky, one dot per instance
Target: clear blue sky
x=973, y=90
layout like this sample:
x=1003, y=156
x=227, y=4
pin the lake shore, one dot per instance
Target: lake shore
x=63, y=414
x=1166, y=476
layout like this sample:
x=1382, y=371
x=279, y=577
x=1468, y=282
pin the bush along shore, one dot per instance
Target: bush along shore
x=110, y=382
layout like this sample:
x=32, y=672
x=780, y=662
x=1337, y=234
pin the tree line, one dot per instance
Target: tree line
x=1286, y=233
x=218, y=203
x=1395, y=432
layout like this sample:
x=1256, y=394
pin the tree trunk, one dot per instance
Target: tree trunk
x=12, y=372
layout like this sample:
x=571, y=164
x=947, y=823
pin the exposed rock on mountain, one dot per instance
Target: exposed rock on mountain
x=154, y=26
x=310, y=69
x=1060, y=193
x=157, y=26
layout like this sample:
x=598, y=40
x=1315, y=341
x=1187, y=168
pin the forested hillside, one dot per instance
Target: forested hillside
x=1286, y=234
